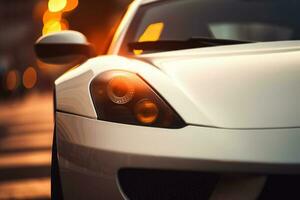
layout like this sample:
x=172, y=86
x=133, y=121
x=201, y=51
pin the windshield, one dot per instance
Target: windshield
x=236, y=20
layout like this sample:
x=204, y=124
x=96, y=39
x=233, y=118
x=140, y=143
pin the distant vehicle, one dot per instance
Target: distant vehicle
x=195, y=99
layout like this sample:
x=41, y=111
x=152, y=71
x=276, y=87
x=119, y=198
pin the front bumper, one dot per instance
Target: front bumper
x=91, y=152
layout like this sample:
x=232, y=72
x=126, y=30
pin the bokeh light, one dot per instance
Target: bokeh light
x=64, y=24
x=12, y=80
x=56, y=5
x=71, y=5
x=48, y=16
x=53, y=17
x=51, y=27
x=29, y=77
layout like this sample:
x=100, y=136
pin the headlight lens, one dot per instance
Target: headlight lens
x=124, y=97
x=120, y=90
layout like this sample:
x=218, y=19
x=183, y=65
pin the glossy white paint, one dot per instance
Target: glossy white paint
x=191, y=142
x=64, y=37
x=237, y=87
x=247, y=86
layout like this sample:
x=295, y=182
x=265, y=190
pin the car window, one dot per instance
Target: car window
x=238, y=20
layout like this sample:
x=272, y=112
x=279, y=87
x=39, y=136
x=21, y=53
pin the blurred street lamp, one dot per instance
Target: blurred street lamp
x=71, y=5
x=53, y=17
x=12, y=80
x=56, y=5
x=29, y=77
x=48, y=16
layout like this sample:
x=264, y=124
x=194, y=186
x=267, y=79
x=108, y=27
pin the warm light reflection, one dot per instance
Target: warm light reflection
x=56, y=5
x=71, y=5
x=51, y=27
x=64, y=24
x=146, y=111
x=53, y=17
x=48, y=16
x=29, y=78
x=12, y=80
x=152, y=33
x=120, y=90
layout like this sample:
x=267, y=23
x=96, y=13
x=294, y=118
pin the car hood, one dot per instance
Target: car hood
x=239, y=86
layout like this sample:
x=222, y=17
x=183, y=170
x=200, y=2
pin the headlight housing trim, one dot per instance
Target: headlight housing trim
x=130, y=89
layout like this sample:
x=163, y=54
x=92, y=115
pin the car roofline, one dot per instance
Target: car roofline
x=123, y=26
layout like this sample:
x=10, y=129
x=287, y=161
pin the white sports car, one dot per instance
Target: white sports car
x=195, y=99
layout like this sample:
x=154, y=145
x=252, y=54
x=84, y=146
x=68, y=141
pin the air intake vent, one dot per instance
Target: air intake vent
x=159, y=184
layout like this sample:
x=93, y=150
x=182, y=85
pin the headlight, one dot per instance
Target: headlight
x=124, y=97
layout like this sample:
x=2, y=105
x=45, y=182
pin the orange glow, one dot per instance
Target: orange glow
x=64, y=24
x=53, y=17
x=71, y=5
x=120, y=90
x=97, y=36
x=48, y=16
x=12, y=80
x=152, y=33
x=29, y=78
x=56, y=5
x=39, y=10
x=51, y=27
x=146, y=111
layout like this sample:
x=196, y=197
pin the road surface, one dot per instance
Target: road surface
x=25, y=147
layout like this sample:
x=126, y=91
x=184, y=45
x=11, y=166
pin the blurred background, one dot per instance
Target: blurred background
x=26, y=118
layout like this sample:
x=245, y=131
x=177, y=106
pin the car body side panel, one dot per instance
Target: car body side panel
x=74, y=96
x=269, y=146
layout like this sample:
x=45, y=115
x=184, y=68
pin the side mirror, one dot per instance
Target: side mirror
x=64, y=48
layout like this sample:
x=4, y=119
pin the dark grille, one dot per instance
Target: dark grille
x=167, y=185
x=144, y=184
x=281, y=187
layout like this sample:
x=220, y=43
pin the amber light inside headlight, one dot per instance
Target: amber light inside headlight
x=124, y=97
